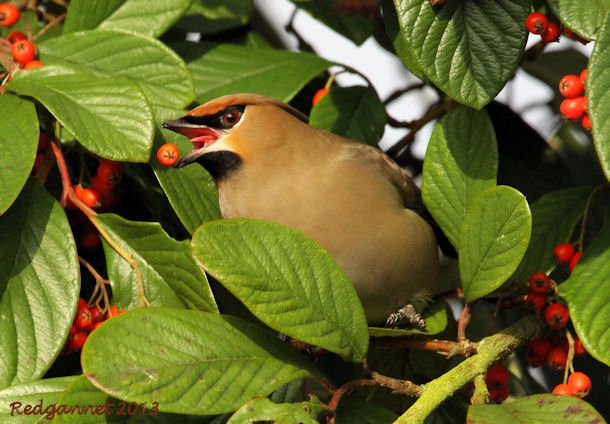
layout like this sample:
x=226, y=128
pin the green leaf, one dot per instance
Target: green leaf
x=286, y=280
x=352, y=112
x=190, y=190
x=435, y=317
x=109, y=116
x=584, y=17
x=220, y=69
x=554, y=217
x=470, y=48
x=587, y=292
x=353, y=21
x=149, y=17
x=213, y=16
x=598, y=95
x=170, y=275
x=157, y=69
x=495, y=235
x=263, y=410
x=39, y=284
x=535, y=409
x=190, y=362
x=401, y=46
x=461, y=162
x=45, y=393
x=19, y=139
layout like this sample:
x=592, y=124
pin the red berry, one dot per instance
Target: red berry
x=496, y=377
x=9, y=14
x=82, y=320
x=23, y=51
x=318, y=96
x=536, y=301
x=562, y=390
x=168, y=154
x=82, y=303
x=108, y=202
x=97, y=324
x=37, y=163
x=76, y=341
x=573, y=108
x=583, y=77
x=498, y=395
x=33, y=65
x=539, y=283
x=538, y=351
x=556, y=316
x=536, y=23
x=557, y=358
x=551, y=33
x=90, y=240
x=43, y=141
x=574, y=261
x=580, y=384
x=16, y=36
x=97, y=315
x=586, y=122
x=563, y=252
x=110, y=171
x=101, y=185
x=114, y=311
x=571, y=86
x=88, y=196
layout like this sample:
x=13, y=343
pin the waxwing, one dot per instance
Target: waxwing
x=357, y=203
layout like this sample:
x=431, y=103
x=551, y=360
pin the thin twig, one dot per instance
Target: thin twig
x=56, y=20
x=463, y=322
x=442, y=347
x=583, y=224
x=399, y=93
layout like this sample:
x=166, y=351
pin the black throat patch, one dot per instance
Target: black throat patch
x=220, y=164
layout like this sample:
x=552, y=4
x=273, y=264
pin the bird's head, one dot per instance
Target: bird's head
x=231, y=126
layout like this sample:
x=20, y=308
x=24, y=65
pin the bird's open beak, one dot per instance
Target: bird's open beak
x=200, y=135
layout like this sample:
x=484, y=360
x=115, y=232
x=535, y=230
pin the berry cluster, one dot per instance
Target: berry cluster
x=574, y=106
x=553, y=349
x=87, y=319
x=101, y=194
x=16, y=49
x=496, y=379
x=538, y=23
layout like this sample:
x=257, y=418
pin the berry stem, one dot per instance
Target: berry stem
x=100, y=285
x=52, y=23
x=583, y=224
x=481, y=392
x=569, y=362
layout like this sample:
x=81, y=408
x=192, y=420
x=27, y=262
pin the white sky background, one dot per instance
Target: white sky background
x=388, y=74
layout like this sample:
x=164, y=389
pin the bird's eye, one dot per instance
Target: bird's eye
x=230, y=118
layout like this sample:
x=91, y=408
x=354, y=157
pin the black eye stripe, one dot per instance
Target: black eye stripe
x=215, y=120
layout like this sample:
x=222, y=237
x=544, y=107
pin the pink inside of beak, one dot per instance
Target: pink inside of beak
x=201, y=137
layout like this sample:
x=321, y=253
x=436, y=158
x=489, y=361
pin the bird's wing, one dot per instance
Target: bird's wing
x=391, y=171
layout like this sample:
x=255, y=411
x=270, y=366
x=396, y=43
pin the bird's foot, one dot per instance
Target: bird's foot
x=406, y=316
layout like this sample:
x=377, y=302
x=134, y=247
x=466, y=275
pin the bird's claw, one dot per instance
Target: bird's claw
x=406, y=316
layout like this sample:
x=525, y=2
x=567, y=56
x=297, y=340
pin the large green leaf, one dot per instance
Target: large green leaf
x=190, y=190
x=214, y=16
x=353, y=112
x=264, y=410
x=584, y=17
x=170, y=274
x=469, y=48
x=495, y=235
x=19, y=139
x=220, y=69
x=535, y=409
x=149, y=17
x=587, y=292
x=598, y=95
x=554, y=216
x=189, y=362
x=461, y=162
x=287, y=281
x=110, y=116
x=45, y=393
x=157, y=69
x=354, y=20
x=39, y=284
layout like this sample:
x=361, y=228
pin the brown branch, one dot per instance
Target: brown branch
x=463, y=322
x=442, y=347
x=399, y=93
x=54, y=21
x=433, y=113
